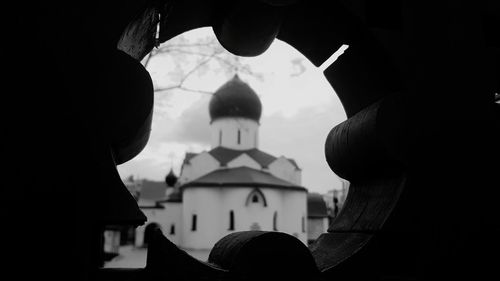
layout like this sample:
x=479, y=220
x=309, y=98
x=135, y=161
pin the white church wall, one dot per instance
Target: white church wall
x=198, y=166
x=283, y=169
x=297, y=176
x=224, y=132
x=212, y=207
x=205, y=204
x=139, y=236
x=251, y=215
x=153, y=215
x=244, y=161
x=170, y=215
x=146, y=202
x=295, y=221
x=173, y=218
x=315, y=227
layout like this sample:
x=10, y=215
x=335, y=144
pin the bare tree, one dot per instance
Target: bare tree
x=175, y=65
x=194, y=58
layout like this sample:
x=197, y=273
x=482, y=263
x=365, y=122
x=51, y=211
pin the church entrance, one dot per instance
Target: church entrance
x=148, y=233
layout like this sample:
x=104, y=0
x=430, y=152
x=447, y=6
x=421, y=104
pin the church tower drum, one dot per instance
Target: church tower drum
x=235, y=111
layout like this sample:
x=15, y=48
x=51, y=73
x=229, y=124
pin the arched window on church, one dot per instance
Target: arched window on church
x=149, y=232
x=193, y=223
x=231, y=220
x=303, y=224
x=172, y=229
x=220, y=137
x=256, y=197
x=239, y=137
x=275, y=221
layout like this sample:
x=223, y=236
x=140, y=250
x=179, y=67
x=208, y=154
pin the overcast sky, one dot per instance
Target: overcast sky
x=299, y=110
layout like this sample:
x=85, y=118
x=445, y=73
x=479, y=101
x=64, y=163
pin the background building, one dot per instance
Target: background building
x=335, y=199
x=317, y=216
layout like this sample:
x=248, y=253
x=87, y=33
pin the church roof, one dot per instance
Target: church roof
x=225, y=155
x=293, y=163
x=189, y=156
x=241, y=177
x=235, y=99
x=174, y=197
x=316, y=206
x=152, y=190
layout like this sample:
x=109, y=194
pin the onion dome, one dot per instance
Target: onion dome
x=171, y=178
x=235, y=99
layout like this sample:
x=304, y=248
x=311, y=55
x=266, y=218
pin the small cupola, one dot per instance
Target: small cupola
x=171, y=178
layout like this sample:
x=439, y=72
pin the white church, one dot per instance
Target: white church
x=235, y=186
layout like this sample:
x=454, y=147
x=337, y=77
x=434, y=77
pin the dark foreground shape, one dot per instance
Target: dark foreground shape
x=247, y=255
x=262, y=255
x=420, y=145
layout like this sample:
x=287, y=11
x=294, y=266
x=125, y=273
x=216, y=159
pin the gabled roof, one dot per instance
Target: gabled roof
x=225, y=155
x=189, y=156
x=294, y=163
x=174, y=197
x=261, y=157
x=241, y=177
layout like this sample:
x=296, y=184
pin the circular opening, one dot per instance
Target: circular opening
x=299, y=108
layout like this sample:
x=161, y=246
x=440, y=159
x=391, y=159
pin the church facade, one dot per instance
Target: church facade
x=235, y=186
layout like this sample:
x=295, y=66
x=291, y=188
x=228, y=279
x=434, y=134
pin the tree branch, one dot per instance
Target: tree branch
x=182, y=88
x=194, y=69
x=206, y=51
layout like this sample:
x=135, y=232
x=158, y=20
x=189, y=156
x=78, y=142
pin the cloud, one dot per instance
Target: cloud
x=155, y=161
x=142, y=168
x=298, y=66
x=298, y=113
x=193, y=126
x=170, y=139
x=302, y=137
